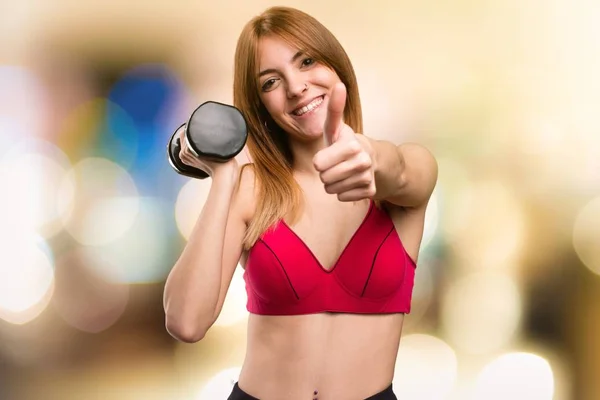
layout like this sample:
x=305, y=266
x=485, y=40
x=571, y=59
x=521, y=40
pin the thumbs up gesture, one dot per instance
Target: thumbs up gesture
x=345, y=165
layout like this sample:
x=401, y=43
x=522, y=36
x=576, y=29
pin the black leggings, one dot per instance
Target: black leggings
x=239, y=394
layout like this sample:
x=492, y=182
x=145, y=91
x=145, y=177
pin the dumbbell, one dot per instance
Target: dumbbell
x=215, y=131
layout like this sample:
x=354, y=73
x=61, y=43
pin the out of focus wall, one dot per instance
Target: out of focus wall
x=505, y=93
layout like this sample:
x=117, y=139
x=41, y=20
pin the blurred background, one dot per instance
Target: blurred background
x=505, y=93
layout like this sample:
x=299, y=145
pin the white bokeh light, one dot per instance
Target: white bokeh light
x=188, y=206
x=26, y=278
x=105, y=201
x=423, y=359
x=33, y=169
x=23, y=105
x=141, y=254
x=515, y=376
x=220, y=385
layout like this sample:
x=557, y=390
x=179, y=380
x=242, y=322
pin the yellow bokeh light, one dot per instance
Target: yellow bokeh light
x=422, y=293
x=544, y=136
x=586, y=235
x=79, y=128
x=452, y=189
x=432, y=216
x=234, y=306
x=491, y=234
x=481, y=312
x=515, y=376
x=221, y=348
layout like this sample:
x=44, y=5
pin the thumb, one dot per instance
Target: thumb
x=335, y=113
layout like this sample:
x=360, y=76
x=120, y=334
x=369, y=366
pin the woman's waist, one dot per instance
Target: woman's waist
x=325, y=367
x=350, y=361
x=302, y=377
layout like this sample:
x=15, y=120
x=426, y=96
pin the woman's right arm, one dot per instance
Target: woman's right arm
x=196, y=286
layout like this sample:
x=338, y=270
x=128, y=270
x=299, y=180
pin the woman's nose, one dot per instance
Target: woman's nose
x=296, y=87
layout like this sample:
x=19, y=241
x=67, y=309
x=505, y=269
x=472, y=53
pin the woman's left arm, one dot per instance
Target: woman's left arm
x=405, y=175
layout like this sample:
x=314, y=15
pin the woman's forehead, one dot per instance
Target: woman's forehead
x=273, y=50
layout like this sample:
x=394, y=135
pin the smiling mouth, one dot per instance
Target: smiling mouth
x=313, y=105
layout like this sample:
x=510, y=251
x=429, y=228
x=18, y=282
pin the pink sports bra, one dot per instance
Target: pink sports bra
x=374, y=274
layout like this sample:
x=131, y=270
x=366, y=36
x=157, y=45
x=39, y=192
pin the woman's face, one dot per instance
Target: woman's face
x=294, y=88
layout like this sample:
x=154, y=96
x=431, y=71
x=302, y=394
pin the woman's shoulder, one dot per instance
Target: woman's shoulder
x=247, y=190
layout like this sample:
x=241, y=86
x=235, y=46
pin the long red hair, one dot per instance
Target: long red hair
x=278, y=192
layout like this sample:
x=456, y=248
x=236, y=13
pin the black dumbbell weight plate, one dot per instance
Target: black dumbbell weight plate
x=216, y=131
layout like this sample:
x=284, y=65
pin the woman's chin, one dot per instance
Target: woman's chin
x=305, y=134
x=312, y=132
x=309, y=137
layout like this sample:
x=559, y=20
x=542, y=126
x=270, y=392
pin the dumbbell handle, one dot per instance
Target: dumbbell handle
x=191, y=148
x=173, y=150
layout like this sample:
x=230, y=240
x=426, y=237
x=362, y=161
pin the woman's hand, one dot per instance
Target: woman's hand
x=212, y=168
x=346, y=164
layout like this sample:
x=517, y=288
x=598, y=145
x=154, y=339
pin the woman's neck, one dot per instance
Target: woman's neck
x=303, y=154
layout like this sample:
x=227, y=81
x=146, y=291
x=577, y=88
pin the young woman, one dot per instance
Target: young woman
x=326, y=222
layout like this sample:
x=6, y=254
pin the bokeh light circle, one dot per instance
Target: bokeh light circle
x=423, y=359
x=32, y=171
x=188, y=206
x=491, y=232
x=515, y=376
x=234, y=306
x=481, y=311
x=431, y=221
x=84, y=299
x=586, y=235
x=26, y=278
x=23, y=105
x=142, y=254
x=104, y=200
x=220, y=385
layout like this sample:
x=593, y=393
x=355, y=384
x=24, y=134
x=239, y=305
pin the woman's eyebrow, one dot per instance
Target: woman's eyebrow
x=270, y=70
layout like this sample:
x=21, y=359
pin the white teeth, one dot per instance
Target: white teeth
x=311, y=106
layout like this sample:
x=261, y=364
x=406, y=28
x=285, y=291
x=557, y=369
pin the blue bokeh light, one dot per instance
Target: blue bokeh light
x=154, y=99
x=119, y=137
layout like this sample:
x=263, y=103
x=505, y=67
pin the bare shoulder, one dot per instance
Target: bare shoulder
x=246, y=192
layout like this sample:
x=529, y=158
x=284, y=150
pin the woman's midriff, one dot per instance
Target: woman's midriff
x=340, y=356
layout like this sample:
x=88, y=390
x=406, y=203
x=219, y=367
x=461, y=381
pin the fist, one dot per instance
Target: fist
x=188, y=157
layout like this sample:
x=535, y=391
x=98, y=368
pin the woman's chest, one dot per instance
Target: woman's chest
x=326, y=228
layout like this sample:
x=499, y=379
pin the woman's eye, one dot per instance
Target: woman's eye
x=268, y=83
x=307, y=61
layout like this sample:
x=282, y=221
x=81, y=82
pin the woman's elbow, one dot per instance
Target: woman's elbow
x=185, y=332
